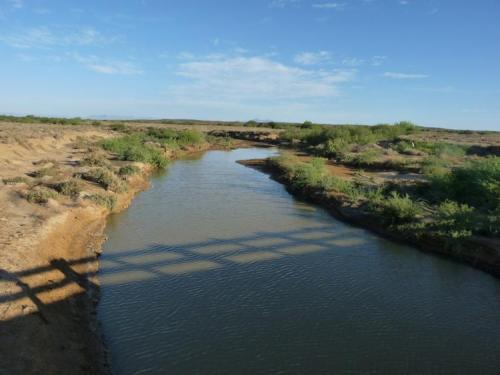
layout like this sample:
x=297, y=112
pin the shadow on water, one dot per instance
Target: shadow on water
x=160, y=260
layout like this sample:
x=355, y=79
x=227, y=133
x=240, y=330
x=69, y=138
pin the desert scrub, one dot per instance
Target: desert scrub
x=133, y=148
x=129, y=170
x=455, y=220
x=315, y=175
x=95, y=160
x=17, y=180
x=105, y=200
x=47, y=171
x=41, y=195
x=105, y=178
x=70, y=188
x=175, y=139
x=397, y=209
x=476, y=183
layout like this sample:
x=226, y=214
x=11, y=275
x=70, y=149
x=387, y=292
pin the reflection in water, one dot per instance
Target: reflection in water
x=217, y=270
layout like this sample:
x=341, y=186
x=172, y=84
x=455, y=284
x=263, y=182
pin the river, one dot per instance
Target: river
x=217, y=270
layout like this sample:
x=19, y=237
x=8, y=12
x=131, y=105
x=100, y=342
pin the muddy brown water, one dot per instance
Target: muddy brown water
x=218, y=270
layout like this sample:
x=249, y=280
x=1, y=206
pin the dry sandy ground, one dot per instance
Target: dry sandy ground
x=46, y=254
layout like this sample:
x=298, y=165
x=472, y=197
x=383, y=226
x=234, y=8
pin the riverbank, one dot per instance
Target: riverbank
x=51, y=235
x=485, y=254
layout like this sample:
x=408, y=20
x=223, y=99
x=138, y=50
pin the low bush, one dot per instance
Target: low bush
x=106, y=200
x=133, y=148
x=397, y=209
x=477, y=183
x=455, y=220
x=70, y=188
x=128, y=170
x=95, y=160
x=105, y=178
x=17, y=180
x=41, y=195
x=47, y=171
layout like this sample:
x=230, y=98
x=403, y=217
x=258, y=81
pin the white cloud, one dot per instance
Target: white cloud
x=312, y=58
x=283, y=3
x=329, y=5
x=404, y=75
x=352, y=61
x=404, y=2
x=378, y=60
x=237, y=79
x=99, y=65
x=16, y=3
x=43, y=37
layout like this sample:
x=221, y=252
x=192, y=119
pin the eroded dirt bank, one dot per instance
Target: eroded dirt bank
x=486, y=254
x=49, y=251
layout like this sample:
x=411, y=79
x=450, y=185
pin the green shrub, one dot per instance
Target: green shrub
x=132, y=148
x=455, y=220
x=106, y=200
x=41, y=195
x=477, y=183
x=118, y=127
x=105, y=178
x=175, y=138
x=70, y=188
x=398, y=209
x=128, y=170
x=365, y=158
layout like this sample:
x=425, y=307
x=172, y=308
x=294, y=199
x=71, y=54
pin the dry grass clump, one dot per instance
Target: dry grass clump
x=17, y=180
x=105, y=200
x=70, y=188
x=105, y=178
x=40, y=195
x=95, y=160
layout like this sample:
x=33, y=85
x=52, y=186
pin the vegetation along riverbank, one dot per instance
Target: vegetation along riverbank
x=438, y=190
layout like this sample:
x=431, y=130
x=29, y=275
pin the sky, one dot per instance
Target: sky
x=433, y=62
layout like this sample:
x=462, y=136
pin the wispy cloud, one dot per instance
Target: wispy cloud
x=255, y=79
x=283, y=3
x=330, y=5
x=395, y=75
x=104, y=66
x=44, y=37
x=378, y=60
x=16, y=3
x=312, y=58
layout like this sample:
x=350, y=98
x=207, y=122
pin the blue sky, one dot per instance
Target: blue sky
x=434, y=62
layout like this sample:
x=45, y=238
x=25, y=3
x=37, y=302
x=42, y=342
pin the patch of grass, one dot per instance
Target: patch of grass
x=106, y=200
x=70, y=188
x=128, y=170
x=105, y=178
x=364, y=158
x=41, y=195
x=47, y=171
x=95, y=160
x=118, y=127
